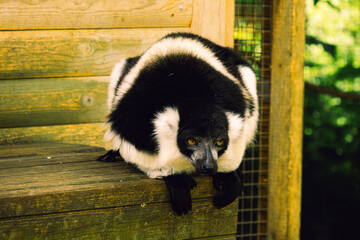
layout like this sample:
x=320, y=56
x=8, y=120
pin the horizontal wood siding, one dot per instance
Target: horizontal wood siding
x=64, y=53
x=72, y=14
x=60, y=191
x=40, y=102
x=89, y=134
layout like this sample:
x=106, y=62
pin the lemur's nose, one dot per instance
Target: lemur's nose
x=209, y=167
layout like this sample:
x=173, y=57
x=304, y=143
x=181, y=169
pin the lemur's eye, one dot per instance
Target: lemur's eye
x=219, y=143
x=191, y=141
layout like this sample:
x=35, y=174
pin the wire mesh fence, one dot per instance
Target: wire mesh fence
x=252, y=36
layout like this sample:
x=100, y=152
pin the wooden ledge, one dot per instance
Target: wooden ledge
x=57, y=190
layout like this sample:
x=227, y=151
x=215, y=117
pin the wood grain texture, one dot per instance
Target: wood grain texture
x=71, y=14
x=214, y=20
x=286, y=120
x=68, y=53
x=153, y=221
x=35, y=149
x=87, y=134
x=40, y=102
x=49, y=188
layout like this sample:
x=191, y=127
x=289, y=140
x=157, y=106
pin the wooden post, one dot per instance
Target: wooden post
x=286, y=120
x=214, y=20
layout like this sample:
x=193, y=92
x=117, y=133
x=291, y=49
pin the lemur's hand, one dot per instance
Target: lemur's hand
x=179, y=187
x=230, y=186
x=110, y=156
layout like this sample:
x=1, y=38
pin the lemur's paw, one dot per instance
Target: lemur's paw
x=110, y=156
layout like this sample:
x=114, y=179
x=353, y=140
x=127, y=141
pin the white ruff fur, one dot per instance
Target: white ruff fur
x=249, y=79
x=241, y=131
x=114, y=79
x=232, y=157
x=169, y=160
x=250, y=126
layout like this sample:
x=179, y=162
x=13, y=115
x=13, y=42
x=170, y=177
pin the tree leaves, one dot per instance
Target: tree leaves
x=331, y=149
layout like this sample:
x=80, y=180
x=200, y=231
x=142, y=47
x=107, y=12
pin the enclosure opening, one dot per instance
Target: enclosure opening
x=252, y=36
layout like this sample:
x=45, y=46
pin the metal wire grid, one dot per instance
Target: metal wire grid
x=252, y=36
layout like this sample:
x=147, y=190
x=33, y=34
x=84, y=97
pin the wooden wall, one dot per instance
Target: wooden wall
x=57, y=56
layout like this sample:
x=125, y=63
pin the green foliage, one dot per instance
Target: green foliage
x=333, y=37
x=331, y=151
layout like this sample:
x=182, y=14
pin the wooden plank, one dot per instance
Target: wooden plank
x=40, y=102
x=84, y=165
x=54, y=14
x=76, y=183
x=286, y=120
x=16, y=162
x=218, y=29
x=65, y=180
x=65, y=174
x=43, y=149
x=64, y=53
x=87, y=134
x=133, y=189
x=149, y=221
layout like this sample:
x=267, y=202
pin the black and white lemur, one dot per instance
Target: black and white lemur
x=185, y=106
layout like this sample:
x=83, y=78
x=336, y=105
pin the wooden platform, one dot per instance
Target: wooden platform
x=60, y=191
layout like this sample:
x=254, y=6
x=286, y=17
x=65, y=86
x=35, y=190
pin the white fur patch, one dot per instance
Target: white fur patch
x=250, y=126
x=241, y=133
x=249, y=79
x=166, y=125
x=233, y=155
x=170, y=46
x=114, y=79
x=236, y=124
x=168, y=161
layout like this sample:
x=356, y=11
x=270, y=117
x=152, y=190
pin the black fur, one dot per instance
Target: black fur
x=179, y=187
x=230, y=186
x=111, y=156
x=207, y=121
x=228, y=57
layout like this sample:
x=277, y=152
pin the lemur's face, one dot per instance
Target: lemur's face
x=203, y=150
